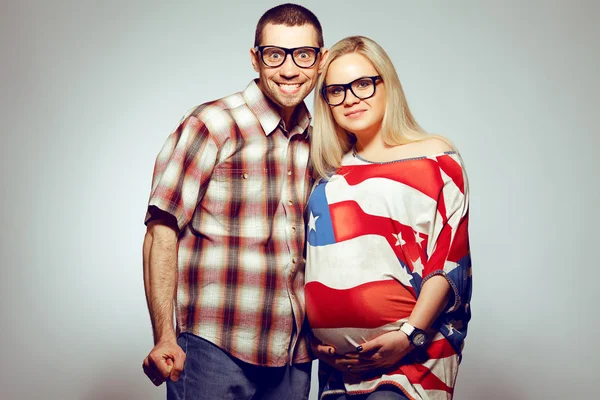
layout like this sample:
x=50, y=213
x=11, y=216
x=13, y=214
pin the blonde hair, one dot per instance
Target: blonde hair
x=329, y=142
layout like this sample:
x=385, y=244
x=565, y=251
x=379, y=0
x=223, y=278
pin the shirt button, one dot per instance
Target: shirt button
x=290, y=202
x=245, y=175
x=293, y=229
x=289, y=172
x=294, y=260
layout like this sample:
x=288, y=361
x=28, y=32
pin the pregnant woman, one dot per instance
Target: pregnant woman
x=388, y=276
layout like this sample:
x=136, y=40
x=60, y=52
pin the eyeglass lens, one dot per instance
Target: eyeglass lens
x=362, y=88
x=303, y=57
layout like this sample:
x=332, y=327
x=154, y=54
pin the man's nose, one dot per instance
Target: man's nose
x=288, y=68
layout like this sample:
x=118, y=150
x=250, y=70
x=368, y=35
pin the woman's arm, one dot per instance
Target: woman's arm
x=388, y=349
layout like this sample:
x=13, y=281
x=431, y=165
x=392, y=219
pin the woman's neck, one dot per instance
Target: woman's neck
x=371, y=146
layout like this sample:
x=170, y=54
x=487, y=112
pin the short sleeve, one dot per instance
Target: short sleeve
x=182, y=171
x=450, y=253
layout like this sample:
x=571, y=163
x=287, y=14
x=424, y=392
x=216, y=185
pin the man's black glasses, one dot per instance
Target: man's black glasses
x=274, y=56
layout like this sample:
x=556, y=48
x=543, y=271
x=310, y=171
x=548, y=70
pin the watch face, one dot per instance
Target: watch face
x=419, y=339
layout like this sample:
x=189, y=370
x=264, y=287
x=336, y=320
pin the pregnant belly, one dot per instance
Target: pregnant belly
x=345, y=318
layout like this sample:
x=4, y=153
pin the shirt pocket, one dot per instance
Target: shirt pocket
x=236, y=197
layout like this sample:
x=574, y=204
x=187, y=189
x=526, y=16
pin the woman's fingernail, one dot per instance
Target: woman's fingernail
x=359, y=348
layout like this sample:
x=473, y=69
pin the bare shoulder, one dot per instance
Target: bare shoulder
x=435, y=145
x=431, y=146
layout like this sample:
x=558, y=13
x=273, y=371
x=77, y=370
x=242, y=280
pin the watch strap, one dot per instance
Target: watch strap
x=407, y=328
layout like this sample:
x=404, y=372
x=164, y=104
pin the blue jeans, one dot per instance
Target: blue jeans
x=210, y=373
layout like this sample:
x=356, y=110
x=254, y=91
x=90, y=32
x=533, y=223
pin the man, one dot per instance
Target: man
x=225, y=226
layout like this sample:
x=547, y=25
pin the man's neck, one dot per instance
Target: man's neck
x=288, y=115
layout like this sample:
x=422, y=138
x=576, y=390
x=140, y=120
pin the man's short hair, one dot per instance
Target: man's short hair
x=289, y=15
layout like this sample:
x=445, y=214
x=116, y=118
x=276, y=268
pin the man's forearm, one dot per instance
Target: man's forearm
x=160, y=279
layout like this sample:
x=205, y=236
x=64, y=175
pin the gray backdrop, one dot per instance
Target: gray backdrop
x=91, y=89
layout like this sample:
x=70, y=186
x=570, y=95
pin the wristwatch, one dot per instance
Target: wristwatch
x=416, y=336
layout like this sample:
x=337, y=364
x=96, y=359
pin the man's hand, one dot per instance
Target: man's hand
x=165, y=361
x=328, y=355
x=380, y=353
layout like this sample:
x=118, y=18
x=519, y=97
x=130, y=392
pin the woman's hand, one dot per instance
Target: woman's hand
x=380, y=353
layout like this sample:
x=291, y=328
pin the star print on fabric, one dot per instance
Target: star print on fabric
x=399, y=240
x=418, y=238
x=407, y=276
x=418, y=266
x=312, y=222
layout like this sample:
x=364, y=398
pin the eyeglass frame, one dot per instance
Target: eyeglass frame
x=348, y=85
x=287, y=51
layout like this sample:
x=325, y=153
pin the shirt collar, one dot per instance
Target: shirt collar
x=267, y=114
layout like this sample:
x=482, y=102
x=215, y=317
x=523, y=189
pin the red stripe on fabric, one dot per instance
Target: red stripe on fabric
x=420, y=374
x=440, y=349
x=453, y=170
x=350, y=221
x=460, y=243
x=370, y=305
x=440, y=254
x=441, y=207
x=420, y=174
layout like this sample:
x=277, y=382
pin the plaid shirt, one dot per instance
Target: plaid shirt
x=237, y=183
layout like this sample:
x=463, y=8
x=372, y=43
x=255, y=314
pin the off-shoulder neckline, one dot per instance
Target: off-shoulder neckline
x=355, y=155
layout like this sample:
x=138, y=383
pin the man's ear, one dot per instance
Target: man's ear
x=254, y=59
x=324, y=57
